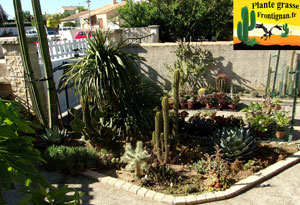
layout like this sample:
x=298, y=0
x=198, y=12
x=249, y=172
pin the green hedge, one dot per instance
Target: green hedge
x=66, y=159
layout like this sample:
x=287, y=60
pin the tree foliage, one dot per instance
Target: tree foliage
x=53, y=21
x=190, y=19
x=69, y=24
x=80, y=9
x=27, y=16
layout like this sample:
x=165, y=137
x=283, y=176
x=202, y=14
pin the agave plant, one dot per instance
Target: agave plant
x=54, y=136
x=235, y=142
x=136, y=159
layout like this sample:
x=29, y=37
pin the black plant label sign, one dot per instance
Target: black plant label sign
x=266, y=25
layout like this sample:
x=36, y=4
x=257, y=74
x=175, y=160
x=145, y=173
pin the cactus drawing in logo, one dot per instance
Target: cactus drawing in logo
x=286, y=30
x=243, y=28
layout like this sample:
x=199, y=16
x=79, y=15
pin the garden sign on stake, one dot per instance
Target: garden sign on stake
x=266, y=25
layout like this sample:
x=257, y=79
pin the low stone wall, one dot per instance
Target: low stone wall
x=13, y=70
x=246, y=69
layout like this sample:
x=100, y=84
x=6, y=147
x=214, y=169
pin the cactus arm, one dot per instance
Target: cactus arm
x=166, y=119
x=253, y=21
x=156, y=134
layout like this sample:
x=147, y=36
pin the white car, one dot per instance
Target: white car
x=53, y=36
x=31, y=33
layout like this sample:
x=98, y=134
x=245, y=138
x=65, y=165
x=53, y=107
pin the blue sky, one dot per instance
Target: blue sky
x=51, y=6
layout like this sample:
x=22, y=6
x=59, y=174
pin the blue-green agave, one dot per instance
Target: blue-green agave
x=235, y=142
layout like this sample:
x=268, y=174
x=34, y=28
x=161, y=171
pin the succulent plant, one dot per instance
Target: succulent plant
x=136, y=159
x=235, y=142
x=54, y=136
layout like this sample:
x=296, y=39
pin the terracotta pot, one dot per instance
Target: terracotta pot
x=232, y=106
x=280, y=135
x=191, y=105
x=182, y=105
x=220, y=106
x=261, y=134
x=208, y=106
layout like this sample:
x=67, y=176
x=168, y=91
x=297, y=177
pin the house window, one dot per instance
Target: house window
x=100, y=22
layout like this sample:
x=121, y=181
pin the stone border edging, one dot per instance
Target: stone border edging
x=234, y=190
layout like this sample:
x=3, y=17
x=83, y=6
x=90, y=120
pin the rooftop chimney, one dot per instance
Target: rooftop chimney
x=114, y=2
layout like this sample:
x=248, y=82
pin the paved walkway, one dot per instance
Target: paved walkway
x=279, y=190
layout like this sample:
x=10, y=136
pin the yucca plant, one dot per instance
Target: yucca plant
x=108, y=78
x=136, y=159
x=235, y=142
x=54, y=136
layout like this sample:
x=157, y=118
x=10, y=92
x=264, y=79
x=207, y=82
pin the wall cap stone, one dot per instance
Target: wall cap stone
x=15, y=40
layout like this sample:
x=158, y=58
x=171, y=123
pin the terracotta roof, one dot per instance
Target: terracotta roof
x=74, y=16
x=103, y=10
x=70, y=7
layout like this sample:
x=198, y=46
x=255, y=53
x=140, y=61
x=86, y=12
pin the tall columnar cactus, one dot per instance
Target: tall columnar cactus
x=290, y=82
x=286, y=30
x=244, y=28
x=156, y=137
x=51, y=89
x=34, y=94
x=267, y=91
x=166, y=126
x=161, y=136
x=136, y=159
x=176, y=81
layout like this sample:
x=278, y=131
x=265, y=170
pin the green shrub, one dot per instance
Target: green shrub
x=17, y=159
x=108, y=82
x=69, y=24
x=67, y=159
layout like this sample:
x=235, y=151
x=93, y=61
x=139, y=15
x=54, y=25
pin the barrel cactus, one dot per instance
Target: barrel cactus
x=235, y=142
x=136, y=159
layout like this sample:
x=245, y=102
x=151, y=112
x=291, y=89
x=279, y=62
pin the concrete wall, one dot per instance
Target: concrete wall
x=139, y=32
x=14, y=30
x=247, y=69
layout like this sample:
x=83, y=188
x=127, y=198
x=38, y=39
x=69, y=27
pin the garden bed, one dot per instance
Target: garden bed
x=188, y=181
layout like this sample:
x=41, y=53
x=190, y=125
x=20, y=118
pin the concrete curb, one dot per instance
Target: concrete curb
x=234, y=190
